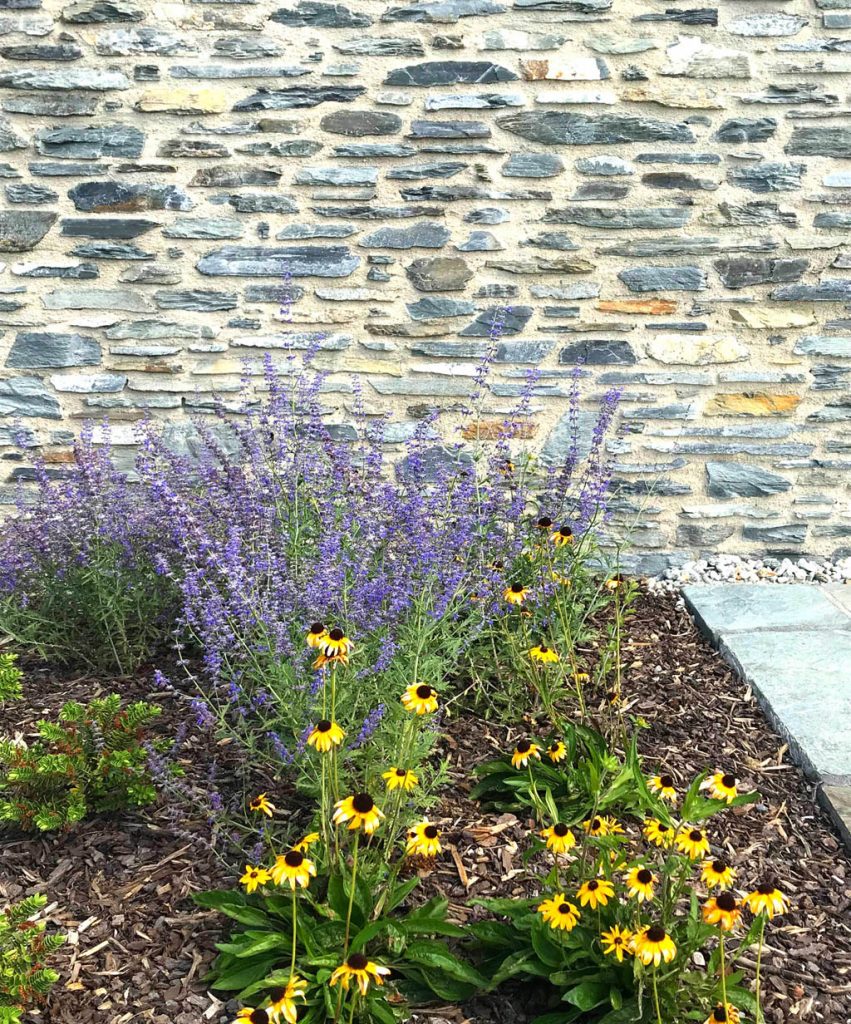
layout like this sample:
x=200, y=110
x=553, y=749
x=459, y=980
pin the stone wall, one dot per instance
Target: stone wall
x=660, y=190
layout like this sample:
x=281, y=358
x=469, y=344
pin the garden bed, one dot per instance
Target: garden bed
x=139, y=948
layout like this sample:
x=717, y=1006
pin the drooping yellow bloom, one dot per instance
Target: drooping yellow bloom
x=544, y=524
x=303, y=845
x=616, y=942
x=420, y=698
x=615, y=582
x=252, y=1016
x=282, y=1005
x=559, y=913
x=262, y=805
x=595, y=893
x=544, y=655
x=664, y=786
x=724, y=1014
x=613, y=826
x=292, y=868
x=516, y=593
x=693, y=842
x=767, y=899
x=556, y=751
x=400, y=778
x=658, y=833
x=652, y=945
x=360, y=969
x=641, y=884
x=254, y=877
x=316, y=634
x=717, y=873
x=721, y=786
x=325, y=735
x=524, y=752
x=723, y=910
x=559, y=838
x=424, y=840
x=562, y=536
x=359, y=811
x=336, y=645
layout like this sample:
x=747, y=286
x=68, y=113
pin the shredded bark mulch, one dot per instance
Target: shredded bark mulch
x=139, y=948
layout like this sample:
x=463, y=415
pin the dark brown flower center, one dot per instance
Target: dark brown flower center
x=357, y=961
x=543, y=649
x=726, y=901
x=401, y=773
x=294, y=859
x=565, y=531
x=259, y=1016
x=729, y=781
x=592, y=885
x=523, y=747
x=323, y=726
x=766, y=888
x=544, y=523
x=655, y=933
x=317, y=628
x=560, y=829
x=430, y=832
x=719, y=1015
x=424, y=691
x=517, y=588
x=666, y=782
x=564, y=908
x=645, y=876
x=277, y=993
x=363, y=803
x=617, y=941
x=336, y=634
x=719, y=866
x=695, y=835
x=596, y=825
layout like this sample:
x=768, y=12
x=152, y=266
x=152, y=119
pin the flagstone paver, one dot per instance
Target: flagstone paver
x=792, y=644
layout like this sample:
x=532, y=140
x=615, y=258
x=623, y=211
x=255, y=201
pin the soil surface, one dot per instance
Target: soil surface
x=138, y=947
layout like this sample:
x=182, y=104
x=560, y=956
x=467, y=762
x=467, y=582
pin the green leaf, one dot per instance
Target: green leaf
x=587, y=995
x=239, y=977
x=401, y=892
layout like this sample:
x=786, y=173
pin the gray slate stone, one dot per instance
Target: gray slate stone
x=28, y=396
x=197, y=300
x=746, y=129
x=480, y=241
x=442, y=11
x=106, y=227
x=22, y=230
x=320, y=15
x=768, y=177
x=504, y=321
x=295, y=261
x=33, y=195
x=554, y=128
x=448, y=130
x=60, y=79
x=740, y=480
x=35, y=349
x=204, y=227
x=90, y=142
x=336, y=176
x=234, y=176
x=114, y=196
x=449, y=72
x=437, y=169
x=381, y=46
x=51, y=106
x=596, y=352
x=361, y=122
x=96, y=298
x=299, y=96
x=442, y=274
x=532, y=165
x=618, y=219
x=439, y=309
x=743, y=271
x=95, y=12
x=424, y=235
x=660, y=279
x=817, y=141
x=124, y=42
x=835, y=289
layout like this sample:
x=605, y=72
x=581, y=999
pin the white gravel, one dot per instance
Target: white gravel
x=737, y=569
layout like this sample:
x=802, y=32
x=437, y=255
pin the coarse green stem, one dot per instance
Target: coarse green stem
x=352, y=1009
x=759, y=1016
x=295, y=932
x=351, y=893
x=656, y=997
x=723, y=968
x=536, y=799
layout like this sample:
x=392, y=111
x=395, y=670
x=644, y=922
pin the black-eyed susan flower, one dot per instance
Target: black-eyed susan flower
x=525, y=751
x=559, y=838
x=544, y=523
x=615, y=582
x=641, y=884
x=424, y=840
x=556, y=751
x=717, y=874
x=595, y=826
x=316, y=634
x=613, y=826
x=292, y=868
x=282, y=1001
x=724, y=1013
x=400, y=778
x=254, y=877
x=252, y=1016
x=361, y=970
x=420, y=698
x=325, y=735
x=359, y=811
x=616, y=942
x=723, y=910
x=595, y=893
x=544, y=655
x=658, y=833
x=336, y=646
x=767, y=899
x=664, y=786
x=559, y=913
x=262, y=805
x=721, y=786
x=303, y=845
x=516, y=593
x=562, y=536
x=652, y=945
x=693, y=842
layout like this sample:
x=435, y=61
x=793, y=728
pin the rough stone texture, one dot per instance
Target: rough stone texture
x=658, y=191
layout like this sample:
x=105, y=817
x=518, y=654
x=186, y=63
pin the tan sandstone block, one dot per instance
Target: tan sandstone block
x=170, y=99
x=757, y=404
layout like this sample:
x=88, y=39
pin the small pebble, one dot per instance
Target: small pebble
x=738, y=569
